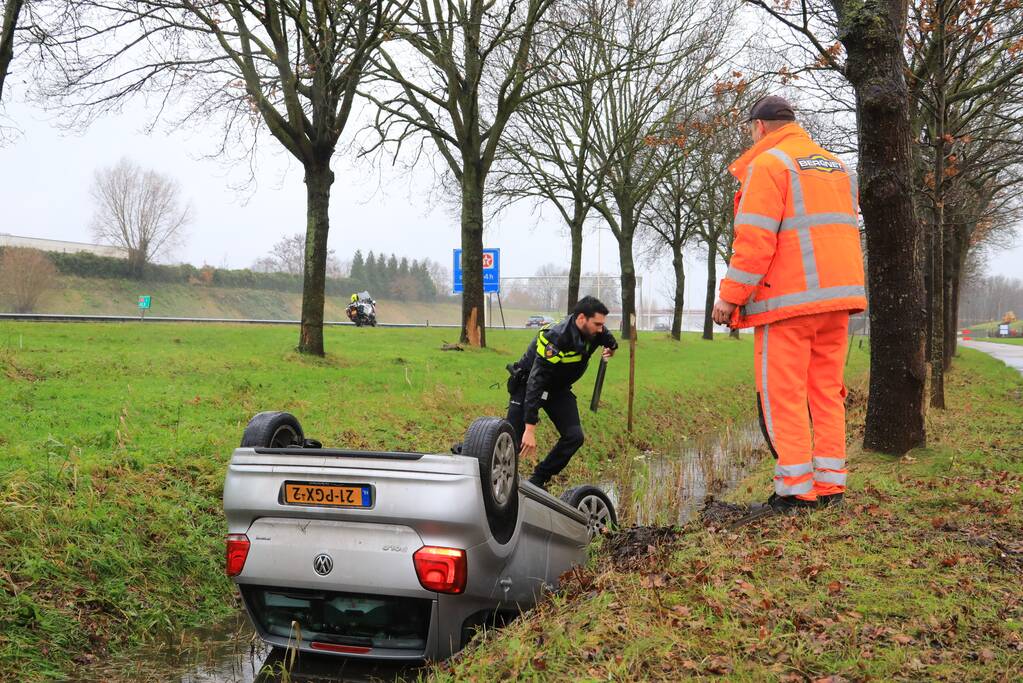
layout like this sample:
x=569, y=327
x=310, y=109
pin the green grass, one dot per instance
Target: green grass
x=998, y=340
x=916, y=578
x=115, y=439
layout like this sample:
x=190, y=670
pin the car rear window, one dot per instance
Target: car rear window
x=377, y=621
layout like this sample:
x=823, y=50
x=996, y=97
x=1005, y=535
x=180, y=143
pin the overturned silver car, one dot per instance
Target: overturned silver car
x=393, y=555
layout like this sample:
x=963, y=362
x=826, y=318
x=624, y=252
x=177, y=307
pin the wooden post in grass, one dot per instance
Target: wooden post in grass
x=632, y=365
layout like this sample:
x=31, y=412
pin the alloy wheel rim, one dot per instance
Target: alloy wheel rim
x=502, y=468
x=598, y=515
x=283, y=437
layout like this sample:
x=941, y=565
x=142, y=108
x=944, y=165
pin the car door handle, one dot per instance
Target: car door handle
x=505, y=583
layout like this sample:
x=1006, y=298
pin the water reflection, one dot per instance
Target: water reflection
x=670, y=488
x=232, y=653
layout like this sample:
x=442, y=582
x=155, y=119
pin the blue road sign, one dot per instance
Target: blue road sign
x=491, y=271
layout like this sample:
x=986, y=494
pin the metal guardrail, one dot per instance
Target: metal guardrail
x=70, y=318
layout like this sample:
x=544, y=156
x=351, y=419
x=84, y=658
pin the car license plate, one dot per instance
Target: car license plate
x=327, y=495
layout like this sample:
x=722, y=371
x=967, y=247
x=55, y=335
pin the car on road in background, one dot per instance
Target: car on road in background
x=538, y=320
x=394, y=555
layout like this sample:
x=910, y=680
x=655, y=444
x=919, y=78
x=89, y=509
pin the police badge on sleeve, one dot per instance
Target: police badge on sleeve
x=550, y=351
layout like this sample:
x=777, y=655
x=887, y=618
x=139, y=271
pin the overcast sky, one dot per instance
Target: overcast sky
x=47, y=173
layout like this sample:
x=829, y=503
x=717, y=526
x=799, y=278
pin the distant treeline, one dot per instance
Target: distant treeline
x=988, y=299
x=85, y=264
x=393, y=277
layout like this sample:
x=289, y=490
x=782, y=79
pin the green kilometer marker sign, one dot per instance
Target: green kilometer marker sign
x=144, y=302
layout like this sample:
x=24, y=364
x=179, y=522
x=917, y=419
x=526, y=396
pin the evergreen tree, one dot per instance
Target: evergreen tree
x=358, y=274
x=403, y=268
x=372, y=274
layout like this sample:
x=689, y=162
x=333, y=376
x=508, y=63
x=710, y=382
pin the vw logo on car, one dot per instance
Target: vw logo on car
x=322, y=564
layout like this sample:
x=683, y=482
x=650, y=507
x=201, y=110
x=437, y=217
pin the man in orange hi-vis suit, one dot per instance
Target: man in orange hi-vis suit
x=795, y=276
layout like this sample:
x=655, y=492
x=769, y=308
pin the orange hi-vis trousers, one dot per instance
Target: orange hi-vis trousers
x=799, y=365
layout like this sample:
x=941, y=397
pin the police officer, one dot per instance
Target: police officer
x=543, y=378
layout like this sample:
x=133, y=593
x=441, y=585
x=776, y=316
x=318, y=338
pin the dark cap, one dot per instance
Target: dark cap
x=771, y=108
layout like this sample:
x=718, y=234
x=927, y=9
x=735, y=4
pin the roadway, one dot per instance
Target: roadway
x=1010, y=354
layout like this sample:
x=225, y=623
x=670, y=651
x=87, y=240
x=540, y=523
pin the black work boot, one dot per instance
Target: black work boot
x=832, y=500
x=784, y=505
x=538, y=480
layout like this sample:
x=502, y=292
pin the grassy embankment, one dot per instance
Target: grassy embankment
x=115, y=437
x=102, y=296
x=917, y=578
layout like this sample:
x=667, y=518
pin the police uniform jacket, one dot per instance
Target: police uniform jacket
x=555, y=360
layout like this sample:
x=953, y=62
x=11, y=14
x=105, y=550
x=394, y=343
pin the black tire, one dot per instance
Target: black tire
x=594, y=503
x=273, y=430
x=491, y=440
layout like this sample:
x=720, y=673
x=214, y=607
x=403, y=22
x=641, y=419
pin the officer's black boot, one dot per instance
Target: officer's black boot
x=537, y=479
x=833, y=500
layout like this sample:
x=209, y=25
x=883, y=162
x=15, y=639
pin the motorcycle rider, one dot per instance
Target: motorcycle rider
x=543, y=378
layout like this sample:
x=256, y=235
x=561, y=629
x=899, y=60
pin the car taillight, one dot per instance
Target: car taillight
x=237, y=551
x=441, y=569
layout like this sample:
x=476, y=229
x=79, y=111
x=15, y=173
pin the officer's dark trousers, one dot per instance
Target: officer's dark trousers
x=560, y=406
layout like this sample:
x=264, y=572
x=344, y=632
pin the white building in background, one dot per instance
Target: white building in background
x=61, y=246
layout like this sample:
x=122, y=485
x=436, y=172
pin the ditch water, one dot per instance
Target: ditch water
x=646, y=489
x=669, y=488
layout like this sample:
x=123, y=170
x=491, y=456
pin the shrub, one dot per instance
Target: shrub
x=25, y=275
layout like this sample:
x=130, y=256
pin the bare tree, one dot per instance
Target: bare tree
x=8, y=28
x=966, y=85
x=140, y=210
x=288, y=256
x=466, y=69
x=672, y=50
x=25, y=276
x=289, y=66
x=669, y=221
x=547, y=147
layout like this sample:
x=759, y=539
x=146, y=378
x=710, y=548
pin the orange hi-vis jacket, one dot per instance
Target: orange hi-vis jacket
x=797, y=242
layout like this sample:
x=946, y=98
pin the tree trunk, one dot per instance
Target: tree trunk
x=712, y=281
x=318, y=179
x=12, y=9
x=575, y=268
x=873, y=34
x=680, y=288
x=937, y=324
x=472, y=253
x=955, y=256
x=628, y=281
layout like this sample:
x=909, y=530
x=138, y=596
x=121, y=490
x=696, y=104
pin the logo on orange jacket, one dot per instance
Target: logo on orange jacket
x=818, y=162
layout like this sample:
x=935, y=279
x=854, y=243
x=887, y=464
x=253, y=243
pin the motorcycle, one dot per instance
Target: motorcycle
x=362, y=312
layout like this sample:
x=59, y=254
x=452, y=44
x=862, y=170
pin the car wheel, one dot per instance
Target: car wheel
x=273, y=430
x=491, y=440
x=594, y=503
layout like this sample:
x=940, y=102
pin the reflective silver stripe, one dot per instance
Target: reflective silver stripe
x=798, y=212
x=830, y=478
x=814, y=219
x=854, y=188
x=742, y=277
x=829, y=463
x=758, y=221
x=792, y=470
x=796, y=489
x=814, y=295
x=763, y=386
